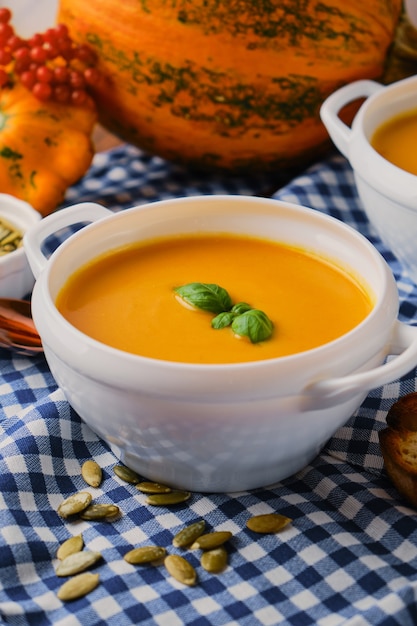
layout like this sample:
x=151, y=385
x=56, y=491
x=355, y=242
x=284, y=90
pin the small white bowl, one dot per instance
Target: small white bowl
x=388, y=193
x=16, y=277
x=227, y=427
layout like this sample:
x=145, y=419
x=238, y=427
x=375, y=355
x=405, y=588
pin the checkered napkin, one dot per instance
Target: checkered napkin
x=349, y=558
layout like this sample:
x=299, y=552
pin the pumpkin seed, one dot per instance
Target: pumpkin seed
x=126, y=474
x=180, y=569
x=92, y=473
x=74, y=504
x=189, y=534
x=144, y=554
x=268, y=523
x=70, y=546
x=78, y=586
x=100, y=511
x=211, y=540
x=77, y=562
x=10, y=237
x=167, y=499
x=148, y=487
x=214, y=560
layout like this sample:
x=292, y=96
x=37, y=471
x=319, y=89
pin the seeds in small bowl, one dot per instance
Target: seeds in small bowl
x=10, y=237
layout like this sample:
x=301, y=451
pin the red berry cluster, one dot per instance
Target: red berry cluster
x=50, y=64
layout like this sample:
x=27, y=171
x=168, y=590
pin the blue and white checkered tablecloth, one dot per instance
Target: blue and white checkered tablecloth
x=349, y=558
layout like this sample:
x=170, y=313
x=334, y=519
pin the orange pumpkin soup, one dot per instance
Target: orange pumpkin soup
x=126, y=298
x=396, y=141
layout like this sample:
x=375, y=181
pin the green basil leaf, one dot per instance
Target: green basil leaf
x=241, y=307
x=222, y=320
x=254, y=324
x=205, y=296
x=244, y=320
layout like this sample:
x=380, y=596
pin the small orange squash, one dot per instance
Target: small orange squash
x=235, y=85
x=44, y=147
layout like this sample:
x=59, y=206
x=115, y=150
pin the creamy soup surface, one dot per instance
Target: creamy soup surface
x=396, y=141
x=126, y=298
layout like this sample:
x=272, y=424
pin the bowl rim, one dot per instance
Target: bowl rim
x=334, y=345
x=380, y=173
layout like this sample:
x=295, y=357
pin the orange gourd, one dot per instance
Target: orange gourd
x=44, y=147
x=235, y=85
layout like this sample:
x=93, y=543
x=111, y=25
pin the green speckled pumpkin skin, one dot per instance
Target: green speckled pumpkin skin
x=233, y=85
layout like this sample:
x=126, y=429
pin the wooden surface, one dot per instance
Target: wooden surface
x=103, y=140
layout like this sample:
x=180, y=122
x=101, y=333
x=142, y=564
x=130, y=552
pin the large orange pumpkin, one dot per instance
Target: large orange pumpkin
x=235, y=84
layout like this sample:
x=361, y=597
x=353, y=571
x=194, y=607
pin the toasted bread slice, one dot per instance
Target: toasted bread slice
x=398, y=443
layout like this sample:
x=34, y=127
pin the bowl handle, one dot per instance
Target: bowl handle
x=34, y=238
x=339, y=131
x=332, y=391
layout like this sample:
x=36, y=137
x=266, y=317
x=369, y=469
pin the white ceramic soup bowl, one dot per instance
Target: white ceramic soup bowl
x=16, y=278
x=388, y=193
x=217, y=428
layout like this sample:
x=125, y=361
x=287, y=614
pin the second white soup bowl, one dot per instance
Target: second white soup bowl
x=387, y=192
